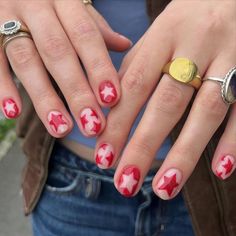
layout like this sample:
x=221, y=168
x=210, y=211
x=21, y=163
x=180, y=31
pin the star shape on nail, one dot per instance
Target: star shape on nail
x=108, y=91
x=58, y=122
x=84, y=121
x=128, y=182
x=10, y=108
x=90, y=121
x=228, y=167
x=169, y=184
x=104, y=156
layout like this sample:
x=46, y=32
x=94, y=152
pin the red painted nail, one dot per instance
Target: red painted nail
x=10, y=108
x=90, y=121
x=225, y=167
x=128, y=181
x=167, y=186
x=104, y=156
x=58, y=122
x=107, y=92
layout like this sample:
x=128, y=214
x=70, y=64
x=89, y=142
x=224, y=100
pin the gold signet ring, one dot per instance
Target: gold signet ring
x=184, y=71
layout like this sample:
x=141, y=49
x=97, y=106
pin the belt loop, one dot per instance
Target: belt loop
x=92, y=188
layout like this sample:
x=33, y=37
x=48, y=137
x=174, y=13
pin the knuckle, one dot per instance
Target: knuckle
x=114, y=128
x=79, y=95
x=100, y=65
x=211, y=23
x=187, y=154
x=143, y=147
x=83, y=30
x=212, y=103
x=135, y=80
x=56, y=47
x=21, y=53
x=171, y=100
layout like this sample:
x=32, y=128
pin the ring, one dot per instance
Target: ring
x=11, y=27
x=184, y=71
x=228, y=86
x=87, y=2
x=9, y=38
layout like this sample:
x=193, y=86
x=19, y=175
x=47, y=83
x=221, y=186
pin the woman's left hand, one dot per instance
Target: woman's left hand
x=204, y=32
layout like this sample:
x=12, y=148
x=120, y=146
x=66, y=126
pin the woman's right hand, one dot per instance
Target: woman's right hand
x=64, y=33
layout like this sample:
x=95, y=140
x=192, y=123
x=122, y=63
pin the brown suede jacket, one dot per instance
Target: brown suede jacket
x=211, y=202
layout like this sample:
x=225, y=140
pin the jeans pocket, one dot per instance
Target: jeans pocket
x=62, y=180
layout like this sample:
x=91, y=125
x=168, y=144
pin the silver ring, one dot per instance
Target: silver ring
x=228, y=86
x=9, y=38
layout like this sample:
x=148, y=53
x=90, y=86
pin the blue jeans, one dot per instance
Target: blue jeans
x=79, y=199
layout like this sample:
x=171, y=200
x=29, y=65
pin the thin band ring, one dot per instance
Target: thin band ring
x=8, y=39
x=228, y=86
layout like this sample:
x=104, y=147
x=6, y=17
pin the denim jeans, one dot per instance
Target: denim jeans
x=79, y=199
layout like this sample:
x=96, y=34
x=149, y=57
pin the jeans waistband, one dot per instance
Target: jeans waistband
x=63, y=156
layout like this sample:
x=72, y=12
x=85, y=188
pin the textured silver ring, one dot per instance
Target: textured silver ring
x=228, y=86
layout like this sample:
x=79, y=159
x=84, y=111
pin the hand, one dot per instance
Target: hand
x=62, y=31
x=204, y=32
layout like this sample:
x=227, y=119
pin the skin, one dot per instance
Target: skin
x=57, y=48
x=62, y=31
x=204, y=32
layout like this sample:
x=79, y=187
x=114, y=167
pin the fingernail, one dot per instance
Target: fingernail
x=225, y=167
x=167, y=186
x=128, y=181
x=104, y=156
x=58, y=122
x=107, y=92
x=90, y=121
x=123, y=37
x=10, y=108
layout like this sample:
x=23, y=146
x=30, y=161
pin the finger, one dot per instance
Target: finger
x=224, y=160
x=90, y=46
x=129, y=57
x=62, y=62
x=114, y=41
x=207, y=113
x=164, y=110
x=141, y=77
x=9, y=97
x=29, y=68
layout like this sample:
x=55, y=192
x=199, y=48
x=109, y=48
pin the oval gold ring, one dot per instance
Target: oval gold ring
x=184, y=71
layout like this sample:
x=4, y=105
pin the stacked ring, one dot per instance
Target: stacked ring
x=184, y=71
x=12, y=29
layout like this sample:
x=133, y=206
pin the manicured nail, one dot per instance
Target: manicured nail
x=128, y=181
x=10, y=108
x=104, y=156
x=123, y=37
x=107, y=92
x=58, y=122
x=167, y=186
x=90, y=121
x=225, y=167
